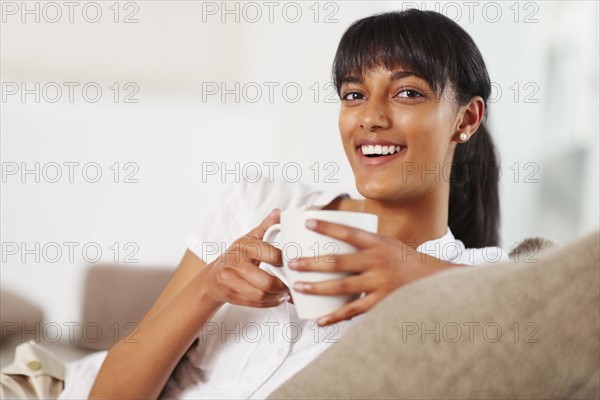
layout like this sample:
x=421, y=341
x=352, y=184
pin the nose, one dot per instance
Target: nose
x=374, y=115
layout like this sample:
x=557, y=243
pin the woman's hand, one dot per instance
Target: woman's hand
x=235, y=278
x=381, y=265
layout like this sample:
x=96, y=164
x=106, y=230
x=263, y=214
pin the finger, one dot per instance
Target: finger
x=357, y=237
x=271, y=219
x=243, y=301
x=239, y=288
x=256, y=251
x=356, y=262
x=350, y=310
x=334, y=287
x=248, y=271
x=260, y=279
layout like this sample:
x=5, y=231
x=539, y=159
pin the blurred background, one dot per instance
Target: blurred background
x=119, y=120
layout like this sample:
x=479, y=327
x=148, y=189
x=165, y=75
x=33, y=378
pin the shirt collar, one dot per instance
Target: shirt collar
x=321, y=199
x=445, y=248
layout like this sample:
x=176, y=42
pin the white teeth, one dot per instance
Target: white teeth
x=379, y=150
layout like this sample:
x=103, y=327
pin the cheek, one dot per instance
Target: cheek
x=346, y=123
x=418, y=127
x=426, y=129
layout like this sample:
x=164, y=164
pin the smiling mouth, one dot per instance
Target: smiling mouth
x=374, y=151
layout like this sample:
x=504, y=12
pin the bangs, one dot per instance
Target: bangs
x=395, y=40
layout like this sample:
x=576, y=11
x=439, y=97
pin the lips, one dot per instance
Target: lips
x=376, y=141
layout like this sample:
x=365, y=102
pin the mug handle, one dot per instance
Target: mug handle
x=269, y=237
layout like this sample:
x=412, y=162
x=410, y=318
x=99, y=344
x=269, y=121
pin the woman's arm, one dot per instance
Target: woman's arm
x=140, y=365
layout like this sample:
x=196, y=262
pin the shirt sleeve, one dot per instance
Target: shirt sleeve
x=237, y=209
x=218, y=224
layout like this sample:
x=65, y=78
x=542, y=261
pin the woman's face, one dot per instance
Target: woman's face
x=397, y=112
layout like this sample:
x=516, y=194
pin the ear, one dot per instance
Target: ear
x=469, y=117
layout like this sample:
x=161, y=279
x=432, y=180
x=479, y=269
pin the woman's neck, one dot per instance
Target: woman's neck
x=412, y=222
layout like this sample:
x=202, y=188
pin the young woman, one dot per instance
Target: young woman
x=413, y=89
x=412, y=85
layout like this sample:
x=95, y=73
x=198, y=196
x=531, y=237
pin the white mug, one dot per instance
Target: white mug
x=298, y=241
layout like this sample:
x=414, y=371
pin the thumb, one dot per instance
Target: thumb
x=271, y=219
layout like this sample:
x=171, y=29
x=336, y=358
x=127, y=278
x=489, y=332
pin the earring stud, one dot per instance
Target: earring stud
x=462, y=136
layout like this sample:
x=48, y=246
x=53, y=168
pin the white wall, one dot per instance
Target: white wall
x=171, y=132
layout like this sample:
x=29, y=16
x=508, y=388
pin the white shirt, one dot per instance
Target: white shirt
x=245, y=352
x=248, y=352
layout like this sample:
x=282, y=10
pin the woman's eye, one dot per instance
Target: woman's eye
x=352, y=96
x=410, y=94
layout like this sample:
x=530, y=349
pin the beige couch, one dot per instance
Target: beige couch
x=529, y=328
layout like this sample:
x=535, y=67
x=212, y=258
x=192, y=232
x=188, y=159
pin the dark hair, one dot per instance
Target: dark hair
x=442, y=53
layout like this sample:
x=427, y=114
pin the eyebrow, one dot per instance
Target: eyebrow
x=394, y=76
x=404, y=74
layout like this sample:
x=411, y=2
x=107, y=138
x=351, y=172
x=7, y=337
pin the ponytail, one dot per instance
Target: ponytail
x=474, y=209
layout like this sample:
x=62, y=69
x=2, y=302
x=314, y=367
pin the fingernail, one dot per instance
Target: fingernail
x=273, y=212
x=311, y=224
x=294, y=264
x=299, y=286
x=284, y=298
x=322, y=321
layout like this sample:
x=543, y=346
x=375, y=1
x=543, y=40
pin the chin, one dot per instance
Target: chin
x=376, y=190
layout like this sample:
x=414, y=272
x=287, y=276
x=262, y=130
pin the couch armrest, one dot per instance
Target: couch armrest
x=116, y=297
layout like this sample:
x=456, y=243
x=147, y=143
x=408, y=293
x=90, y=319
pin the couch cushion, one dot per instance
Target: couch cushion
x=512, y=330
x=116, y=298
x=18, y=315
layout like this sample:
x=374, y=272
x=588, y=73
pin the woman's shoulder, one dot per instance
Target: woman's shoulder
x=487, y=255
x=477, y=256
